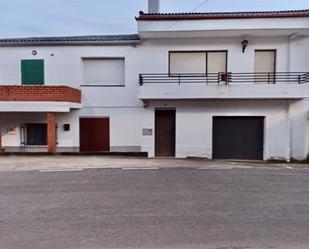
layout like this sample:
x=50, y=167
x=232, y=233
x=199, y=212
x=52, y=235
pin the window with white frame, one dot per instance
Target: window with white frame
x=104, y=71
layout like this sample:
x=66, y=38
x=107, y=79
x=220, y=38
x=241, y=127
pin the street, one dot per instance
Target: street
x=167, y=208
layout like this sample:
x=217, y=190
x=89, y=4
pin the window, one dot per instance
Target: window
x=265, y=66
x=32, y=72
x=216, y=62
x=187, y=62
x=35, y=134
x=104, y=71
x=197, y=62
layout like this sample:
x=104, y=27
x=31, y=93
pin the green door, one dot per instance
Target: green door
x=32, y=72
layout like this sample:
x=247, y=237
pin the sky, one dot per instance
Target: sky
x=30, y=18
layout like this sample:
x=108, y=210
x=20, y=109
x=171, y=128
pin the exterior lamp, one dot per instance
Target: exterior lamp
x=244, y=44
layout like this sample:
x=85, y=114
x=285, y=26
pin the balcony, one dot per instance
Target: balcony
x=280, y=85
x=39, y=98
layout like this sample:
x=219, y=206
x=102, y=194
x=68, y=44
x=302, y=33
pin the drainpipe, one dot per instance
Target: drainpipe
x=289, y=102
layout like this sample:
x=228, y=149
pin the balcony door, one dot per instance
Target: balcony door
x=265, y=66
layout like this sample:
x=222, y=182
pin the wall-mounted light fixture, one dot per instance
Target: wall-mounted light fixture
x=244, y=44
x=34, y=52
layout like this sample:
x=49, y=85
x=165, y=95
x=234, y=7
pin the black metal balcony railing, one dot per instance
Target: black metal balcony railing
x=225, y=78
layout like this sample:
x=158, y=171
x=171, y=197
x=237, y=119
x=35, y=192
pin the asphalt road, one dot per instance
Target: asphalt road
x=165, y=208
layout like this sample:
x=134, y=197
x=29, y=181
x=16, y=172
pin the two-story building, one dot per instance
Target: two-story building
x=232, y=85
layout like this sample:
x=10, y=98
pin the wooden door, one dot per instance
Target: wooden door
x=165, y=124
x=94, y=134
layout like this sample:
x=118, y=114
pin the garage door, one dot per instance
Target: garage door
x=238, y=138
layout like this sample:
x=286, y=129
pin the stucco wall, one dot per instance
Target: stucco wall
x=66, y=139
x=194, y=118
x=65, y=66
x=194, y=125
x=155, y=52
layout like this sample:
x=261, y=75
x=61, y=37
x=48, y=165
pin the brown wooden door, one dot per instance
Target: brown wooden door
x=165, y=122
x=94, y=134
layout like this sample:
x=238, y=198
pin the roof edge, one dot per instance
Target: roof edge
x=72, y=40
x=221, y=15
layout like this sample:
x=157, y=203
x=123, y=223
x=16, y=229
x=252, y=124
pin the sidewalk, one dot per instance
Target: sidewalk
x=59, y=163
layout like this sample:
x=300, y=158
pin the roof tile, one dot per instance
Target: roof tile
x=71, y=40
x=222, y=15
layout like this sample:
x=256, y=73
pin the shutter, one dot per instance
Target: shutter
x=264, y=63
x=216, y=62
x=32, y=72
x=104, y=71
x=187, y=62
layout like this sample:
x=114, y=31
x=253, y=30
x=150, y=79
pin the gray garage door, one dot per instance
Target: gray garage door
x=238, y=138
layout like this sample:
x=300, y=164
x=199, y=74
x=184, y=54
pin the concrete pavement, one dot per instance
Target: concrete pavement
x=54, y=163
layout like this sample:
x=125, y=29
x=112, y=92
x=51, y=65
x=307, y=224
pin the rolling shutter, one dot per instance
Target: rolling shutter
x=104, y=71
x=216, y=62
x=264, y=67
x=187, y=62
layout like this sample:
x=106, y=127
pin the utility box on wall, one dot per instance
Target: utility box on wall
x=147, y=132
x=66, y=127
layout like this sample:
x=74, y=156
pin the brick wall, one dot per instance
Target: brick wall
x=51, y=132
x=40, y=93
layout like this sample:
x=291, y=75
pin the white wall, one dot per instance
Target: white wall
x=298, y=54
x=299, y=111
x=13, y=121
x=155, y=52
x=67, y=140
x=65, y=68
x=223, y=27
x=125, y=125
x=126, y=111
x=194, y=125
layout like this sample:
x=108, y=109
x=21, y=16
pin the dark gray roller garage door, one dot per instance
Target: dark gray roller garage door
x=238, y=137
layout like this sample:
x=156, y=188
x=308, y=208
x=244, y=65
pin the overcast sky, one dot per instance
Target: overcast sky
x=26, y=18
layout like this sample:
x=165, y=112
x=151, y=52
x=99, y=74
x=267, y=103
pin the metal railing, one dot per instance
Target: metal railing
x=225, y=78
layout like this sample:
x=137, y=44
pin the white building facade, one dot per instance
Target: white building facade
x=214, y=85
